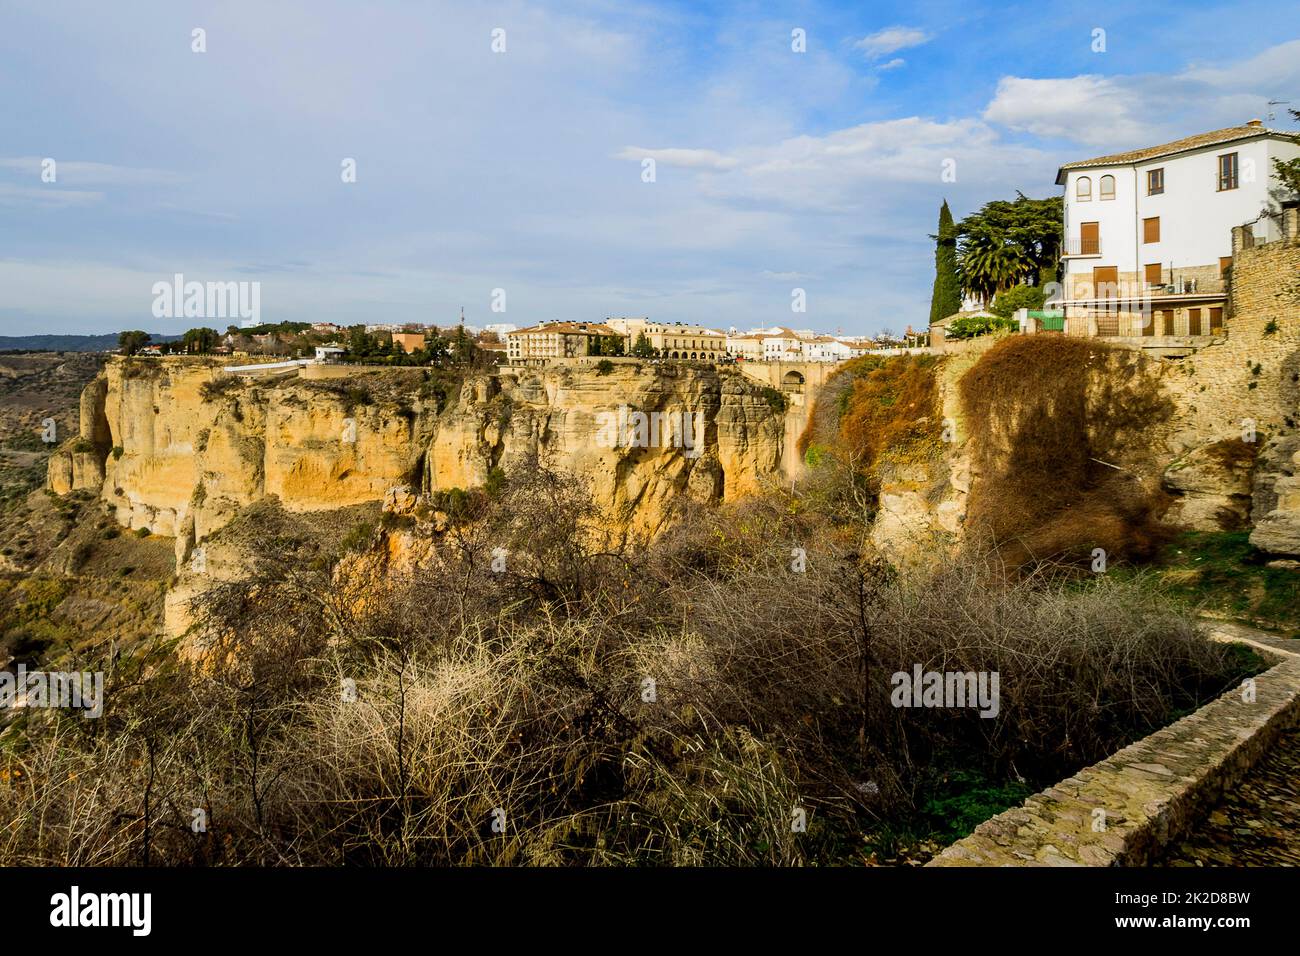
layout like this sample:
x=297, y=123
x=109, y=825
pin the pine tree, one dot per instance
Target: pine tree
x=946, y=298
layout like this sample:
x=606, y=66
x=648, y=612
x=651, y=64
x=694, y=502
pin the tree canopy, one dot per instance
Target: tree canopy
x=133, y=341
x=1008, y=243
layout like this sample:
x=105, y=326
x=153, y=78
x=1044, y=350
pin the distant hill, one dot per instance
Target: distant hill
x=67, y=343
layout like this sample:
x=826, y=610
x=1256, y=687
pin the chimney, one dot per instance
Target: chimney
x=1255, y=122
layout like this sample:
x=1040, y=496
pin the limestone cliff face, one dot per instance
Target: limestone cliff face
x=180, y=447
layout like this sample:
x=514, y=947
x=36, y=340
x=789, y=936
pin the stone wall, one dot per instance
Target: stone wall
x=1126, y=809
x=1247, y=386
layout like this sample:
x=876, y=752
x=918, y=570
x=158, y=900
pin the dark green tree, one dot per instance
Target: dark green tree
x=1008, y=243
x=199, y=341
x=132, y=342
x=946, y=297
x=643, y=348
x=463, y=349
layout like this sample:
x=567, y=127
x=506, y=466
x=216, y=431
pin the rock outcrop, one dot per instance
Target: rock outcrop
x=180, y=447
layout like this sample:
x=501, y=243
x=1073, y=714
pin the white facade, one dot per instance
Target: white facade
x=783, y=346
x=1195, y=215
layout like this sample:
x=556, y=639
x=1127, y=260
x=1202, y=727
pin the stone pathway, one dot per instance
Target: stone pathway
x=1257, y=823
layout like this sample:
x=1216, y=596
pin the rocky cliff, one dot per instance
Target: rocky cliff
x=179, y=446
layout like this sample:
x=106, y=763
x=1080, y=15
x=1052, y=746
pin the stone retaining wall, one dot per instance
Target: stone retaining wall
x=1151, y=792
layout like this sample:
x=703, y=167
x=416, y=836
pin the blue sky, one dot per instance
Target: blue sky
x=522, y=170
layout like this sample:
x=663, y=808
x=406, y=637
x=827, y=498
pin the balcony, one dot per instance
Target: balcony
x=1080, y=247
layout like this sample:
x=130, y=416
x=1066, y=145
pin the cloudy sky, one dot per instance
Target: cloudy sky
x=522, y=170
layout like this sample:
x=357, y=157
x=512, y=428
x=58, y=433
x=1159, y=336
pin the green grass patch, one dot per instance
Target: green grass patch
x=1221, y=571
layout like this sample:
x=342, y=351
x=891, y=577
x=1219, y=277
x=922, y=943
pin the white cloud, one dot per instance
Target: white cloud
x=11, y=195
x=685, y=158
x=891, y=40
x=893, y=64
x=786, y=276
x=1123, y=112
x=79, y=172
x=1084, y=109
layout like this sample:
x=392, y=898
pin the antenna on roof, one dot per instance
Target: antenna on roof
x=1271, y=103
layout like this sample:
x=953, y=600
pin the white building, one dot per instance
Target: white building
x=783, y=345
x=1148, y=233
x=745, y=348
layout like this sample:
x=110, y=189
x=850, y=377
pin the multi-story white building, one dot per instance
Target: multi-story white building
x=783, y=345
x=1148, y=233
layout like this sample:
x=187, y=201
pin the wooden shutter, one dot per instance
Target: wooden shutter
x=1149, y=323
x=1089, y=238
x=1225, y=263
x=1193, y=321
x=1105, y=282
x=1167, y=315
x=1153, y=273
x=1216, y=321
x=1151, y=229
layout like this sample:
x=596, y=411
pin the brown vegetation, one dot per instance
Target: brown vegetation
x=582, y=702
x=1062, y=430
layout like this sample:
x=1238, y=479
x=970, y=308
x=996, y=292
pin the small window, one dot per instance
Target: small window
x=1225, y=263
x=1155, y=181
x=1151, y=229
x=1083, y=192
x=1153, y=273
x=1107, y=187
x=1227, y=171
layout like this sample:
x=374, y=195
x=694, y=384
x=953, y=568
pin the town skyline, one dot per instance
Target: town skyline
x=776, y=168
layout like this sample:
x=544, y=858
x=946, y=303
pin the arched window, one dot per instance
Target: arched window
x=1083, y=190
x=1107, y=187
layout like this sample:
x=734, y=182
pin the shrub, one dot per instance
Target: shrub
x=358, y=539
x=211, y=391
x=525, y=688
x=604, y=367
x=1009, y=301
x=1057, y=425
x=775, y=399
x=969, y=326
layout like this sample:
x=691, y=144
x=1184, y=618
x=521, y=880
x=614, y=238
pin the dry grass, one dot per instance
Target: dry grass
x=510, y=718
x=1062, y=430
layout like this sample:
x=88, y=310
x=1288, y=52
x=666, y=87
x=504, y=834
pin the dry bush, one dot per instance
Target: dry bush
x=672, y=706
x=1062, y=432
x=876, y=406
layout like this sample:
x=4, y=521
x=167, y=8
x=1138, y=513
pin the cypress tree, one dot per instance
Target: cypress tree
x=946, y=298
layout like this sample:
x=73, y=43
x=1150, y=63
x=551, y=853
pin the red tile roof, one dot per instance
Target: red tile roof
x=1230, y=135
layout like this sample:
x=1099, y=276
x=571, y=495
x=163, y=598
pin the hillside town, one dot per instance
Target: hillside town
x=888, y=459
